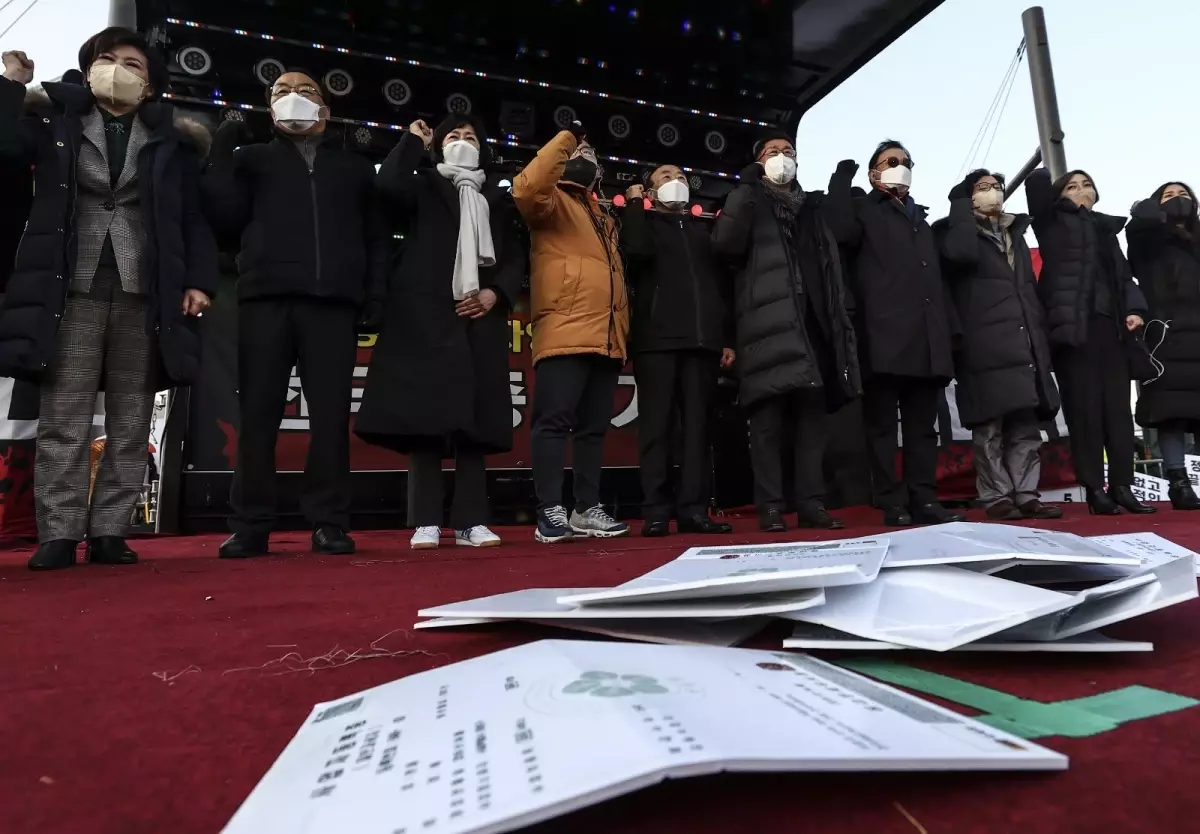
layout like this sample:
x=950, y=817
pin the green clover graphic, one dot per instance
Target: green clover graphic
x=611, y=685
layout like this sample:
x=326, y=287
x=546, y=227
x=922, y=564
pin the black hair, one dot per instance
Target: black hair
x=979, y=173
x=312, y=76
x=118, y=36
x=453, y=122
x=770, y=136
x=883, y=147
x=648, y=174
x=1191, y=220
x=1061, y=182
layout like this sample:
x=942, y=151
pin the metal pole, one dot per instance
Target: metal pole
x=1045, y=100
x=1022, y=175
x=122, y=13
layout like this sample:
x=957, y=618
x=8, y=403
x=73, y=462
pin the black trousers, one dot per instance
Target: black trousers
x=1093, y=379
x=426, y=490
x=319, y=339
x=799, y=420
x=917, y=400
x=675, y=388
x=572, y=397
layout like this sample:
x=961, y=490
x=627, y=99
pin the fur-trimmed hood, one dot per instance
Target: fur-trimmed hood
x=77, y=98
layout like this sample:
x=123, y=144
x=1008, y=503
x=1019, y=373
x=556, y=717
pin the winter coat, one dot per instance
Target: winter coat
x=577, y=280
x=1072, y=242
x=1166, y=262
x=438, y=379
x=775, y=354
x=903, y=319
x=319, y=233
x=679, y=291
x=1002, y=362
x=43, y=128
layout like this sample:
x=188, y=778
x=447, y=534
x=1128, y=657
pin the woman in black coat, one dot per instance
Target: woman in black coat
x=115, y=264
x=1164, y=252
x=1093, y=306
x=438, y=383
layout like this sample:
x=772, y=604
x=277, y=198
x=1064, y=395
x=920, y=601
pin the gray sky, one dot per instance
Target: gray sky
x=1122, y=69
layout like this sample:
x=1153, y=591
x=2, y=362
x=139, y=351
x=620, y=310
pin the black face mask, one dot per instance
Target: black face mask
x=580, y=171
x=1178, y=208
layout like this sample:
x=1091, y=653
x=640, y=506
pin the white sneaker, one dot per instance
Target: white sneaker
x=426, y=538
x=596, y=523
x=477, y=536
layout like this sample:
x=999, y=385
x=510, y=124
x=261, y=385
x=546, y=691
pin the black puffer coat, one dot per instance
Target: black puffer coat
x=1072, y=241
x=774, y=354
x=1165, y=257
x=1002, y=364
x=181, y=253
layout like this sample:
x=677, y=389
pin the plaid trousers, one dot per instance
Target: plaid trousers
x=102, y=345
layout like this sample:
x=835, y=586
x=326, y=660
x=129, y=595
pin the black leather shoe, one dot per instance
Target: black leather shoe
x=656, y=529
x=54, y=555
x=1182, y=496
x=703, y=525
x=110, y=550
x=1125, y=499
x=1100, y=504
x=815, y=516
x=935, y=513
x=772, y=522
x=245, y=545
x=332, y=540
x=897, y=517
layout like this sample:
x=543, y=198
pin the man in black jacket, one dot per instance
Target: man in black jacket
x=904, y=326
x=312, y=270
x=681, y=339
x=795, y=344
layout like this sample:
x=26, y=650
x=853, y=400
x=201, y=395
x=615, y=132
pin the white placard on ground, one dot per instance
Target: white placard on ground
x=812, y=637
x=666, y=632
x=936, y=608
x=1150, y=547
x=747, y=569
x=509, y=739
x=542, y=604
x=966, y=542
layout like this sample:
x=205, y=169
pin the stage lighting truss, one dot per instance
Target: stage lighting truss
x=397, y=92
x=546, y=85
x=508, y=143
x=458, y=104
x=338, y=82
x=619, y=127
x=714, y=140
x=194, y=61
x=668, y=135
x=268, y=70
x=564, y=116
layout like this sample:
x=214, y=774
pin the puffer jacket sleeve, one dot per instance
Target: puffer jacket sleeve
x=535, y=189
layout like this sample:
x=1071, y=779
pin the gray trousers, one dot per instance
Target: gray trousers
x=102, y=345
x=1007, y=464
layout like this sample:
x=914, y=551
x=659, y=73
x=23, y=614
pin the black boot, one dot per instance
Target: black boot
x=771, y=521
x=655, y=528
x=1127, y=501
x=1182, y=496
x=815, y=516
x=110, y=550
x=332, y=541
x=54, y=555
x=935, y=513
x=1100, y=504
x=703, y=525
x=245, y=545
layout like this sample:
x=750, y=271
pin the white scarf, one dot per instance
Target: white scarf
x=474, y=229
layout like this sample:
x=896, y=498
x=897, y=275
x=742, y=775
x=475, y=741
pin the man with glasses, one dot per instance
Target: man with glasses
x=796, y=355
x=904, y=328
x=314, y=250
x=1005, y=388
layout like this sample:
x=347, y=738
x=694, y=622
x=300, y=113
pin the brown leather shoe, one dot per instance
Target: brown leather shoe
x=1004, y=511
x=1036, y=509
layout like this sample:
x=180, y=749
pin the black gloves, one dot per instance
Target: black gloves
x=959, y=192
x=229, y=136
x=847, y=168
x=577, y=130
x=370, y=317
x=751, y=173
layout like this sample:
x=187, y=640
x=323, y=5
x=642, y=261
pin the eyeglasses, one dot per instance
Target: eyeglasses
x=773, y=152
x=894, y=162
x=989, y=186
x=306, y=90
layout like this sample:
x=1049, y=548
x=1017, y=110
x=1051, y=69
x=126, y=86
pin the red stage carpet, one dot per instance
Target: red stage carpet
x=150, y=699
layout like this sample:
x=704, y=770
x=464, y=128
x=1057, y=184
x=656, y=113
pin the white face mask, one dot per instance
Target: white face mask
x=673, y=194
x=461, y=154
x=295, y=113
x=780, y=169
x=898, y=176
x=988, y=202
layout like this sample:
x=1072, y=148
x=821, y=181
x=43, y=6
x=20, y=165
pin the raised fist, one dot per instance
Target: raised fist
x=577, y=131
x=847, y=166
x=18, y=67
x=634, y=192
x=422, y=131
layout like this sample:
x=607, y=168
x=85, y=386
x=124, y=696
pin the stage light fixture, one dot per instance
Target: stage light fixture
x=619, y=126
x=397, y=92
x=668, y=135
x=194, y=61
x=363, y=137
x=268, y=70
x=564, y=116
x=458, y=104
x=714, y=140
x=338, y=82
x=695, y=183
x=233, y=115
